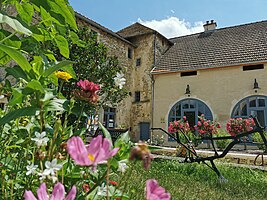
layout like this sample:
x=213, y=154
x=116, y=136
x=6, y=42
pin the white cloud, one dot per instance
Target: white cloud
x=173, y=27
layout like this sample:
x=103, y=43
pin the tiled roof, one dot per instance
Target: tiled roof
x=135, y=30
x=138, y=29
x=98, y=26
x=237, y=45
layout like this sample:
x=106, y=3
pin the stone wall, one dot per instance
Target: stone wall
x=148, y=48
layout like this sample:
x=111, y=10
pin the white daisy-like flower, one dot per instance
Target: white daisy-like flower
x=122, y=166
x=40, y=139
x=51, y=167
x=102, y=190
x=120, y=80
x=31, y=169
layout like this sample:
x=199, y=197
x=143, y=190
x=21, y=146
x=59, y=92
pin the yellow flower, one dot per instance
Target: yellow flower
x=63, y=75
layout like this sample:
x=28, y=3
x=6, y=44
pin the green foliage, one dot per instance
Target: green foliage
x=93, y=63
x=190, y=137
x=222, y=144
x=258, y=139
x=197, y=181
x=15, y=24
x=34, y=124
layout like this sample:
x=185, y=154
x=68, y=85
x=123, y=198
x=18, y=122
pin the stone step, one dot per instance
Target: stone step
x=248, y=157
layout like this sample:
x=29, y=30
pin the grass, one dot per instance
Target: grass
x=196, y=181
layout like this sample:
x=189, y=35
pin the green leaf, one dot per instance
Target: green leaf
x=80, y=132
x=51, y=56
x=48, y=96
x=25, y=11
x=17, y=97
x=35, y=86
x=53, y=79
x=4, y=58
x=16, y=72
x=106, y=133
x=15, y=24
x=38, y=65
x=55, y=105
x=45, y=16
x=123, y=138
x=17, y=56
x=63, y=45
x=27, y=111
x=13, y=41
x=56, y=67
x=70, y=70
x=76, y=40
x=60, y=7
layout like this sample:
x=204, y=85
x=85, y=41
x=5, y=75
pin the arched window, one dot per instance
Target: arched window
x=253, y=105
x=191, y=108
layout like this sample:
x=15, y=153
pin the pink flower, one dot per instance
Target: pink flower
x=57, y=194
x=98, y=151
x=88, y=92
x=88, y=86
x=155, y=192
x=171, y=129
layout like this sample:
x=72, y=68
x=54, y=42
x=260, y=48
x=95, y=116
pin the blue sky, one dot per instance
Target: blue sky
x=171, y=17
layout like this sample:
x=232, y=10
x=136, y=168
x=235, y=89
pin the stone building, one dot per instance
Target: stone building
x=221, y=73
x=138, y=48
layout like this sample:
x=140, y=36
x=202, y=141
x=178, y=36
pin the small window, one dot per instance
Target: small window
x=192, y=73
x=137, y=96
x=138, y=62
x=109, y=117
x=130, y=53
x=253, y=67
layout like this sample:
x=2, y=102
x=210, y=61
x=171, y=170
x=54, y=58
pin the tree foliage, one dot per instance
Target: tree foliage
x=92, y=62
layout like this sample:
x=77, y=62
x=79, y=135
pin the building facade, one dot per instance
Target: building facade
x=221, y=73
x=137, y=48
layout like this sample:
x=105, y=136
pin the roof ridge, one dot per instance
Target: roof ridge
x=99, y=26
x=219, y=29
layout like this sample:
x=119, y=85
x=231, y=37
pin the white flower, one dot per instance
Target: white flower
x=40, y=139
x=31, y=169
x=122, y=166
x=51, y=167
x=44, y=176
x=102, y=190
x=119, y=80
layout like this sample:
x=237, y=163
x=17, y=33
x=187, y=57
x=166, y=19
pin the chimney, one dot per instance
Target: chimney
x=210, y=26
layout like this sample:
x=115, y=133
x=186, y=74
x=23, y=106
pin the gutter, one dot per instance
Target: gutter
x=153, y=83
x=163, y=71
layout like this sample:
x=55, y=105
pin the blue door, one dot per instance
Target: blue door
x=144, y=131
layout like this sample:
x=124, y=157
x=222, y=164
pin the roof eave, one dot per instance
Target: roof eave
x=80, y=16
x=155, y=71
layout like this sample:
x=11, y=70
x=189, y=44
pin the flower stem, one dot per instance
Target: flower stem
x=79, y=118
x=107, y=178
x=127, y=178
